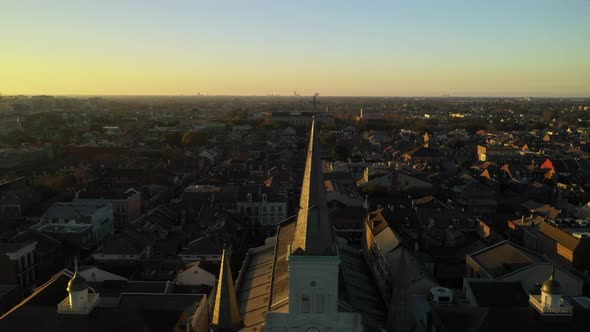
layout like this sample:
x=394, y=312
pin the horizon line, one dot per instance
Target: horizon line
x=298, y=96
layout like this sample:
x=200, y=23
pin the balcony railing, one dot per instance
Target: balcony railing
x=565, y=309
x=64, y=306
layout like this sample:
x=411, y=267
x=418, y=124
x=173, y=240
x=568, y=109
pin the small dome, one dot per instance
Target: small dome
x=551, y=286
x=77, y=283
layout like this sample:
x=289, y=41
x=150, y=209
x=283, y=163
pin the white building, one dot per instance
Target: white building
x=126, y=205
x=195, y=275
x=261, y=205
x=99, y=215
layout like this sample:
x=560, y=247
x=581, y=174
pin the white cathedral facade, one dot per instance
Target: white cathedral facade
x=313, y=296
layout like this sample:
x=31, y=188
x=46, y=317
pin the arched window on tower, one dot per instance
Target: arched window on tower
x=305, y=304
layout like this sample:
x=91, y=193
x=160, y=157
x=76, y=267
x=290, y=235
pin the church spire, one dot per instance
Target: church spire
x=313, y=231
x=226, y=315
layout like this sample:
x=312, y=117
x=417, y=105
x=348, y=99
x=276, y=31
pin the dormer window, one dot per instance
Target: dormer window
x=249, y=197
x=264, y=197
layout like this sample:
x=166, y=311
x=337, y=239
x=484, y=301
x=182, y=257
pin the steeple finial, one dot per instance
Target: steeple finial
x=226, y=314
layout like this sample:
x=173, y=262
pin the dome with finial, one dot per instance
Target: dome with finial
x=551, y=286
x=77, y=283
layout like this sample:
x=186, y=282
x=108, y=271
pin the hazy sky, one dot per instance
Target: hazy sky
x=344, y=47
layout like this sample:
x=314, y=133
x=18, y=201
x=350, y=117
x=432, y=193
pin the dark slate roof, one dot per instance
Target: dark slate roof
x=280, y=276
x=518, y=319
x=255, y=190
x=144, y=287
x=135, y=312
x=44, y=241
x=443, y=217
x=361, y=289
x=502, y=259
x=84, y=194
x=425, y=152
x=499, y=293
x=347, y=216
x=130, y=241
x=114, y=288
x=203, y=246
x=449, y=319
x=11, y=247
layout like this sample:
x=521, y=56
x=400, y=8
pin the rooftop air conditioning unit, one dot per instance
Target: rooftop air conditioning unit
x=580, y=235
x=441, y=295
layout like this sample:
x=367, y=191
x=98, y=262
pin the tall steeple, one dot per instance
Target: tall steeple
x=313, y=230
x=226, y=314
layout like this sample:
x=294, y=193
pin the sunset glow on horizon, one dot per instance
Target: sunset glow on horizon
x=364, y=48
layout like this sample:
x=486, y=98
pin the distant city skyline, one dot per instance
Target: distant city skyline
x=535, y=48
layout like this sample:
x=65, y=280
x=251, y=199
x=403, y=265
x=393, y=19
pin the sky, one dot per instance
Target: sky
x=537, y=48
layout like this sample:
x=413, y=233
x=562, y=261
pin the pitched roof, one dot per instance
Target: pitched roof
x=361, y=288
x=202, y=246
x=253, y=286
x=280, y=274
x=562, y=237
x=13, y=247
x=425, y=152
x=129, y=241
x=377, y=221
